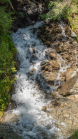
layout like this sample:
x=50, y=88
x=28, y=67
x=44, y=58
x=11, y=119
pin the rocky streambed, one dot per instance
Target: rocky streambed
x=61, y=70
x=45, y=97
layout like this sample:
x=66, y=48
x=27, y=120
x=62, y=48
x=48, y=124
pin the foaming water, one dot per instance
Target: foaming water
x=33, y=121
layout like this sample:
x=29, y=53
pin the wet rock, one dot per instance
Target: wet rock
x=17, y=64
x=49, y=77
x=10, y=117
x=32, y=50
x=43, y=108
x=32, y=71
x=47, y=68
x=59, y=49
x=33, y=57
x=44, y=64
x=63, y=74
x=50, y=65
x=54, y=64
x=56, y=103
x=65, y=88
x=53, y=55
x=55, y=94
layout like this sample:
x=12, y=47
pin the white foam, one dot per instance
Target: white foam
x=33, y=122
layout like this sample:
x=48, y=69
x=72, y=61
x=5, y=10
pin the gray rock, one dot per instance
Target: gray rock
x=65, y=88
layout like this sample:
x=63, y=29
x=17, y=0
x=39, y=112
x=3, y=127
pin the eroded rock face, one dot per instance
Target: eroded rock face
x=61, y=56
x=65, y=88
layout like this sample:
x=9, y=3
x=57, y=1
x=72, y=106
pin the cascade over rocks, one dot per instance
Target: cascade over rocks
x=31, y=9
x=44, y=70
x=63, y=50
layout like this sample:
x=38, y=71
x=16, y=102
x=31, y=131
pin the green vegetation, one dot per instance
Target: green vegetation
x=58, y=9
x=7, y=54
x=62, y=9
x=75, y=135
x=73, y=17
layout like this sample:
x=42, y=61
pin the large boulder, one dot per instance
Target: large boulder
x=65, y=88
x=70, y=73
x=51, y=77
x=52, y=64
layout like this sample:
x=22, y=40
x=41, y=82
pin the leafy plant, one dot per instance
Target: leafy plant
x=5, y=1
x=66, y=11
x=7, y=56
x=21, y=14
x=57, y=11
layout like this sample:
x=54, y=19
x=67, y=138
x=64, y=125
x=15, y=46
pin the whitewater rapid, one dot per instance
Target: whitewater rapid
x=33, y=122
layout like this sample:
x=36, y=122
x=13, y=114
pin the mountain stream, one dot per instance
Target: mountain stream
x=33, y=122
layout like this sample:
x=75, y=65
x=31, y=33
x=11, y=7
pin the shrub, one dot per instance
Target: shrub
x=7, y=54
x=57, y=11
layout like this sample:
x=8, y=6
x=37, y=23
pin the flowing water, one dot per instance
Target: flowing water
x=33, y=121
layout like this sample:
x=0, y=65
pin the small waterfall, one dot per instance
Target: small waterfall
x=27, y=18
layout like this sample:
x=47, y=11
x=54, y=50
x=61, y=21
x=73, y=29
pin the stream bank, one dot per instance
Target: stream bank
x=44, y=68
x=37, y=63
